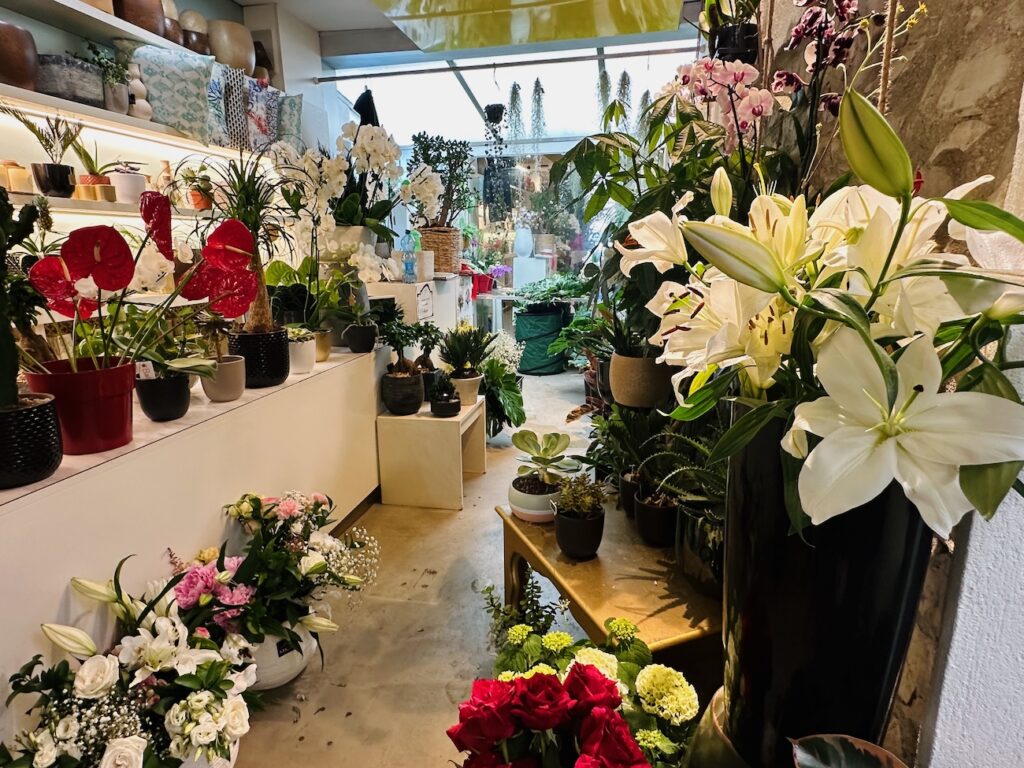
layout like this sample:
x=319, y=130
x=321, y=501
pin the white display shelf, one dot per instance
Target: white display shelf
x=83, y=20
x=98, y=208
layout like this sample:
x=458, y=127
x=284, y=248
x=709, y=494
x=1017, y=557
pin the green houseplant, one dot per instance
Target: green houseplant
x=452, y=160
x=402, y=385
x=56, y=136
x=537, y=484
x=301, y=349
x=503, y=396
x=464, y=349
x=428, y=337
x=444, y=398
x=579, y=517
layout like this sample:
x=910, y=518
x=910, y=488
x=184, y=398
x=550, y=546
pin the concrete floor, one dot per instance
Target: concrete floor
x=407, y=655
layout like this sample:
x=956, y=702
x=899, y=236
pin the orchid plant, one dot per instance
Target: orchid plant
x=846, y=323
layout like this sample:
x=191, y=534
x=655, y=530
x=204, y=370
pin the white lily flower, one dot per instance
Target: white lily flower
x=94, y=590
x=721, y=192
x=1000, y=253
x=737, y=253
x=72, y=639
x=921, y=442
x=660, y=240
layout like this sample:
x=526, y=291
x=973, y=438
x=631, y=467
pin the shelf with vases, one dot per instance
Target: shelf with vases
x=40, y=105
x=101, y=208
x=80, y=18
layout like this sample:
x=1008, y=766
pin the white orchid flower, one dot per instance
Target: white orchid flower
x=660, y=240
x=921, y=442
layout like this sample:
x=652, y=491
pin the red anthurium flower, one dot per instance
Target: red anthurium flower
x=232, y=293
x=68, y=308
x=199, y=281
x=230, y=246
x=101, y=253
x=155, y=210
x=52, y=278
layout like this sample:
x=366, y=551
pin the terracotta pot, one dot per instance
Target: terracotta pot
x=66, y=77
x=30, y=445
x=232, y=45
x=94, y=406
x=228, y=383
x=18, y=53
x=115, y=98
x=639, y=382
x=200, y=200
x=173, y=31
x=89, y=180
x=147, y=14
x=197, y=42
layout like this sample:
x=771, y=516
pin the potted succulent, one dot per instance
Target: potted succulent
x=452, y=161
x=464, y=349
x=428, y=337
x=579, y=517
x=301, y=349
x=200, y=187
x=444, y=399
x=533, y=492
x=128, y=183
x=402, y=385
x=30, y=443
x=228, y=380
x=56, y=136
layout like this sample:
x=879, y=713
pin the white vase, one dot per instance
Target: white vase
x=523, y=244
x=303, y=355
x=468, y=390
x=129, y=186
x=217, y=762
x=277, y=663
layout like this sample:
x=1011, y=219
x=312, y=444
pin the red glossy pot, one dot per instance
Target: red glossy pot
x=94, y=406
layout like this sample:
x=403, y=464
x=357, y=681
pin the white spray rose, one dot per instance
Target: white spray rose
x=176, y=718
x=46, y=750
x=198, y=702
x=234, y=718
x=67, y=728
x=205, y=731
x=96, y=677
x=124, y=753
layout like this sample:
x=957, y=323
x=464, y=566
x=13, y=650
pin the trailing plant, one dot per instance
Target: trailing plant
x=538, y=123
x=452, y=161
x=516, y=126
x=503, y=396
x=580, y=498
x=545, y=456
x=55, y=134
x=114, y=66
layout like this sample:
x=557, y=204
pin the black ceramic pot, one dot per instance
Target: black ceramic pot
x=361, y=338
x=628, y=490
x=54, y=180
x=428, y=382
x=579, y=538
x=267, y=362
x=446, y=409
x=604, y=383
x=164, y=399
x=402, y=395
x=700, y=547
x=735, y=42
x=816, y=631
x=656, y=525
x=30, y=442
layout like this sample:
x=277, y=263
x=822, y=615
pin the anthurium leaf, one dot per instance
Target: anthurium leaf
x=281, y=273
x=978, y=214
x=841, y=752
x=745, y=428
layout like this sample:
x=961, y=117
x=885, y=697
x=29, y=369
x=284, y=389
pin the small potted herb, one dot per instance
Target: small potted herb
x=56, y=136
x=464, y=349
x=301, y=349
x=444, y=399
x=579, y=517
x=402, y=385
x=545, y=464
x=115, y=78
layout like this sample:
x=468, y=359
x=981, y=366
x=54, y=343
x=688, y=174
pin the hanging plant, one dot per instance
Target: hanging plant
x=624, y=95
x=516, y=127
x=643, y=120
x=604, y=92
x=538, y=126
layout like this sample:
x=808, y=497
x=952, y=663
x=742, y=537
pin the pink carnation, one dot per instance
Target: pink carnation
x=198, y=581
x=240, y=595
x=288, y=508
x=319, y=498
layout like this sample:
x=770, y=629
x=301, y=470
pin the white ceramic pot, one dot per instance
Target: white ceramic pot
x=468, y=389
x=217, y=762
x=523, y=243
x=303, y=355
x=129, y=186
x=277, y=663
x=354, y=235
x=532, y=507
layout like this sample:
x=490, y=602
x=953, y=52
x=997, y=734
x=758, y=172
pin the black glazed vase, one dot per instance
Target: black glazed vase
x=579, y=537
x=402, y=395
x=54, y=180
x=267, y=362
x=735, y=42
x=166, y=398
x=361, y=338
x=446, y=409
x=815, y=632
x=30, y=441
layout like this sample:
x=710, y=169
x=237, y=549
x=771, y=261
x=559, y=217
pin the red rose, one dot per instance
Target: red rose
x=485, y=719
x=541, y=702
x=605, y=737
x=591, y=689
x=586, y=761
x=494, y=760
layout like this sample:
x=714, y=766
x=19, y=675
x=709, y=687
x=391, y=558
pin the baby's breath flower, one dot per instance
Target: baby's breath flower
x=556, y=642
x=666, y=693
x=622, y=629
x=518, y=634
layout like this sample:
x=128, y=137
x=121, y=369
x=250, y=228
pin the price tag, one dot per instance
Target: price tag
x=145, y=370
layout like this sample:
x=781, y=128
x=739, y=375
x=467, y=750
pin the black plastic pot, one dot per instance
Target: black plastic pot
x=494, y=113
x=735, y=42
x=700, y=546
x=267, y=362
x=446, y=409
x=30, y=443
x=164, y=399
x=656, y=525
x=402, y=395
x=628, y=490
x=361, y=338
x=428, y=382
x=604, y=383
x=54, y=180
x=579, y=538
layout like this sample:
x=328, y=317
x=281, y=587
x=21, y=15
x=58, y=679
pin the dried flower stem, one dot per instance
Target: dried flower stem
x=888, y=44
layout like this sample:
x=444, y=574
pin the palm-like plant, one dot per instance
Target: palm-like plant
x=464, y=349
x=18, y=299
x=545, y=456
x=55, y=134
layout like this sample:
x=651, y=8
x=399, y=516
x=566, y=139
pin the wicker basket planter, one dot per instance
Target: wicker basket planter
x=446, y=243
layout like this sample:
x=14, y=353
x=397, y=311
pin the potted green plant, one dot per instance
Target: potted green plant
x=452, y=160
x=635, y=377
x=503, y=396
x=579, y=517
x=30, y=443
x=537, y=484
x=301, y=349
x=199, y=185
x=360, y=334
x=115, y=78
x=732, y=30
x=444, y=399
x=228, y=380
x=428, y=337
x=96, y=173
x=464, y=349
x=56, y=136
x=402, y=385
x=128, y=183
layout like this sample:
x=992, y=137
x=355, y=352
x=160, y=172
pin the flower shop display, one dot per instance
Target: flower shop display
x=579, y=517
x=55, y=136
x=537, y=484
x=301, y=350
x=402, y=385
x=464, y=349
x=444, y=399
x=452, y=162
x=18, y=49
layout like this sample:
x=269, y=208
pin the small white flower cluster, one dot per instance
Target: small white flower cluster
x=506, y=351
x=354, y=558
x=371, y=150
x=203, y=725
x=371, y=268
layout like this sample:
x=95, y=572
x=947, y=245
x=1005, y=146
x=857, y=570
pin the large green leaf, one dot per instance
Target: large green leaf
x=745, y=429
x=841, y=752
x=978, y=214
x=842, y=304
x=703, y=400
x=281, y=273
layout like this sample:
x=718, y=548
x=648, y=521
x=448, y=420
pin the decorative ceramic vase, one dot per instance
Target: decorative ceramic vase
x=129, y=186
x=228, y=381
x=193, y=21
x=402, y=395
x=197, y=42
x=267, y=361
x=468, y=389
x=66, y=77
x=170, y=9
x=277, y=663
x=532, y=507
x=232, y=45
x=302, y=355
x=164, y=399
x=361, y=338
x=54, y=180
x=147, y=14
x=173, y=31
x=639, y=382
x=200, y=200
x=811, y=615
x=323, y=344
x=522, y=245
x=18, y=53
x=30, y=444
x=140, y=109
x=579, y=537
x=115, y=98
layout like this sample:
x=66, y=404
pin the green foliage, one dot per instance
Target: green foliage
x=503, y=397
x=531, y=610
x=55, y=135
x=841, y=752
x=588, y=334
x=428, y=337
x=581, y=498
x=398, y=336
x=453, y=160
x=464, y=349
x=545, y=456
x=114, y=67
x=18, y=299
x=442, y=389
x=90, y=160
x=561, y=286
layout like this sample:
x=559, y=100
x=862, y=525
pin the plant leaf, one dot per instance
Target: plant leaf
x=841, y=752
x=978, y=214
x=745, y=429
x=843, y=304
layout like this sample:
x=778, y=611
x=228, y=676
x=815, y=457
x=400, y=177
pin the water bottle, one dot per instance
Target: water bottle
x=408, y=247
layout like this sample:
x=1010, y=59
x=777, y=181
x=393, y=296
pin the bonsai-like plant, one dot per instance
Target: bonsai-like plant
x=581, y=498
x=18, y=299
x=55, y=134
x=213, y=329
x=428, y=336
x=545, y=457
x=464, y=349
x=453, y=161
x=398, y=336
x=443, y=391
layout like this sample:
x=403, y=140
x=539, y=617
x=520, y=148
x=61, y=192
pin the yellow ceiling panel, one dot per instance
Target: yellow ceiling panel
x=451, y=25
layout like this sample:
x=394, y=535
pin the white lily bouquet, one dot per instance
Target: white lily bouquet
x=846, y=323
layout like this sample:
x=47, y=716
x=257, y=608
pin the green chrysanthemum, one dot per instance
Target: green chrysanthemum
x=622, y=629
x=539, y=669
x=666, y=693
x=518, y=634
x=556, y=642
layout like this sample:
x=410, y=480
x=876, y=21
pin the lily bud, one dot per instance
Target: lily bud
x=318, y=624
x=738, y=255
x=721, y=192
x=93, y=590
x=71, y=639
x=312, y=565
x=874, y=151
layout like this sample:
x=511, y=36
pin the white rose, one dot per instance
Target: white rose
x=199, y=701
x=175, y=719
x=96, y=677
x=124, y=753
x=234, y=718
x=67, y=728
x=312, y=564
x=205, y=732
x=46, y=750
